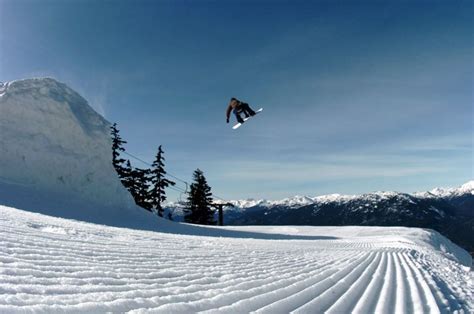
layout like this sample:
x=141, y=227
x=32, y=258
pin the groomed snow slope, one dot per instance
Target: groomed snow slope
x=53, y=265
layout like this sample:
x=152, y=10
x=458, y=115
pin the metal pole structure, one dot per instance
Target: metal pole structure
x=219, y=207
x=221, y=216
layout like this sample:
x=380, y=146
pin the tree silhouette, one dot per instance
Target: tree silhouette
x=117, y=147
x=197, y=209
x=159, y=183
x=140, y=187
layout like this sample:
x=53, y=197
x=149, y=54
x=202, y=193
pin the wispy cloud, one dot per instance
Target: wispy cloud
x=329, y=168
x=402, y=161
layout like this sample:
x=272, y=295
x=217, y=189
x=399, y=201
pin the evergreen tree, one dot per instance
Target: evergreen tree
x=128, y=181
x=146, y=186
x=159, y=183
x=140, y=187
x=197, y=209
x=117, y=147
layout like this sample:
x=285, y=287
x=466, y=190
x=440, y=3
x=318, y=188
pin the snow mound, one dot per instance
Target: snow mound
x=55, y=154
x=55, y=265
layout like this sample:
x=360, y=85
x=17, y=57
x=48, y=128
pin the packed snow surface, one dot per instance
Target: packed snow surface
x=56, y=152
x=54, y=265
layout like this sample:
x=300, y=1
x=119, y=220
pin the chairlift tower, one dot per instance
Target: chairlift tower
x=219, y=207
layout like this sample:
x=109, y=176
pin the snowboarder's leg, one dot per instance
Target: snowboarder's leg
x=241, y=109
x=237, y=116
x=247, y=110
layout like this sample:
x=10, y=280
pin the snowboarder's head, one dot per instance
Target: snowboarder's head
x=233, y=98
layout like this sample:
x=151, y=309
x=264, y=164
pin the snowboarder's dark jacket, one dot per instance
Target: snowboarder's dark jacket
x=234, y=103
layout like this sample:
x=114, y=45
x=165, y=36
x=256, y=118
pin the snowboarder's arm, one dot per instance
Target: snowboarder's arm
x=227, y=114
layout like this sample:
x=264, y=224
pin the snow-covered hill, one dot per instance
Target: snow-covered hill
x=55, y=153
x=54, y=265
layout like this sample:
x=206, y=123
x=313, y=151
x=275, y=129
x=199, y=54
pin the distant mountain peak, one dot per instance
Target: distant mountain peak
x=468, y=187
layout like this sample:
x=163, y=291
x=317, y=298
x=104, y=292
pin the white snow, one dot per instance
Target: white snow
x=55, y=153
x=467, y=188
x=333, y=198
x=51, y=139
x=3, y=88
x=54, y=265
x=250, y=203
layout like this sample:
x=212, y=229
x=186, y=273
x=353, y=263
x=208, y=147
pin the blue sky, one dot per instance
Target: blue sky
x=358, y=95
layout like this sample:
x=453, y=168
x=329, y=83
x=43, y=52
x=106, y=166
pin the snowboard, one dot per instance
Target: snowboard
x=235, y=127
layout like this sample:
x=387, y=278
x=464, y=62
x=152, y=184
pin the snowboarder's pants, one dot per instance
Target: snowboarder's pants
x=245, y=108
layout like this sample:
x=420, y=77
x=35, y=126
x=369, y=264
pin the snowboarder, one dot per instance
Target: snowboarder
x=239, y=107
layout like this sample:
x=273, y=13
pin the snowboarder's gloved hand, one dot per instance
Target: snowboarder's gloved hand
x=227, y=120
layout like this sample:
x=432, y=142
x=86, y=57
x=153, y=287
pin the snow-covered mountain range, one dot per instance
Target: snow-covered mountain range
x=298, y=201
x=55, y=153
x=370, y=199
x=449, y=210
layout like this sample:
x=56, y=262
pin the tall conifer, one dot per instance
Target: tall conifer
x=117, y=147
x=197, y=209
x=140, y=187
x=159, y=183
